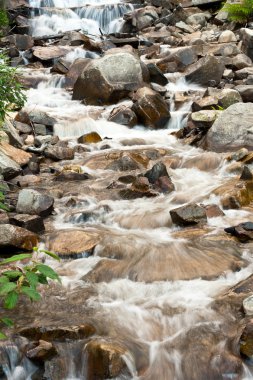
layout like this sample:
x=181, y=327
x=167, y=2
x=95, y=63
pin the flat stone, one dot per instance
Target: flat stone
x=187, y=215
x=13, y=237
x=32, y=223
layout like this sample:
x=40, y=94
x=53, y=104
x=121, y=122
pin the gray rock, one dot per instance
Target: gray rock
x=227, y=36
x=247, y=42
x=188, y=215
x=156, y=75
x=207, y=69
x=8, y=167
x=124, y=116
x=32, y=223
x=197, y=19
x=34, y=203
x=58, y=153
x=204, y=119
x=246, y=92
x=232, y=130
x=240, y=61
x=248, y=305
x=108, y=79
x=157, y=171
x=124, y=163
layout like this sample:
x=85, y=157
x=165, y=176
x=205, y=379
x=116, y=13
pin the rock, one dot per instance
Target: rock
x=227, y=36
x=34, y=203
x=65, y=176
x=246, y=92
x=12, y=133
x=19, y=156
x=104, y=359
x=247, y=42
x=56, y=333
x=61, y=66
x=204, y=119
x=184, y=27
x=225, y=97
x=4, y=218
x=108, y=79
x=213, y=211
x=48, y=53
x=248, y=305
x=244, y=73
x=181, y=57
x=241, y=61
x=238, y=155
x=246, y=341
x=41, y=351
x=246, y=174
x=235, y=194
x=89, y=138
x=39, y=117
x=32, y=223
x=75, y=70
x=151, y=109
x=58, y=153
x=244, y=231
x=157, y=171
x=8, y=167
x=124, y=163
x=188, y=215
x=123, y=115
x=232, y=130
x=16, y=238
x=197, y=19
x=22, y=42
x=156, y=75
x=71, y=243
x=22, y=127
x=206, y=69
x=141, y=18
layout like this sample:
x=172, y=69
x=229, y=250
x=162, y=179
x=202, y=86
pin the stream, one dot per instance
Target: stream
x=151, y=289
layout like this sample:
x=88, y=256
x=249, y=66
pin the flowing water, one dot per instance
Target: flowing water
x=148, y=286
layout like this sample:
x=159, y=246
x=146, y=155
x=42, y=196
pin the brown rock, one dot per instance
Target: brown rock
x=89, y=138
x=32, y=223
x=124, y=116
x=58, y=153
x=213, y=211
x=19, y=156
x=47, y=53
x=246, y=341
x=16, y=238
x=42, y=351
x=104, y=359
x=151, y=109
x=208, y=68
x=72, y=242
x=124, y=163
x=52, y=333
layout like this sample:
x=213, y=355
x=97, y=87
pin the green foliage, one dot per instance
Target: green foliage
x=2, y=200
x=239, y=12
x=17, y=280
x=3, y=18
x=11, y=92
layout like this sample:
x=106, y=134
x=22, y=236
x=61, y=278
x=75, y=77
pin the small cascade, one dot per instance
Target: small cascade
x=49, y=18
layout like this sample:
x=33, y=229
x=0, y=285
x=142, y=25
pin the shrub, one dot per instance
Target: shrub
x=239, y=12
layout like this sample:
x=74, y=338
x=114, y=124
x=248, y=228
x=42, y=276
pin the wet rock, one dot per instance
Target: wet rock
x=13, y=237
x=104, y=81
x=157, y=171
x=235, y=194
x=61, y=66
x=48, y=53
x=156, y=75
x=246, y=341
x=41, y=351
x=71, y=243
x=65, y=176
x=104, y=359
x=32, y=223
x=246, y=174
x=56, y=333
x=37, y=117
x=207, y=69
x=189, y=214
x=244, y=231
x=248, y=305
x=239, y=155
x=213, y=211
x=89, y=138
x=123, y=115
x=58, y=153
x=151, y=109
x=34, y=203
x=75, y=70
x=232, y=130
x=124, y=163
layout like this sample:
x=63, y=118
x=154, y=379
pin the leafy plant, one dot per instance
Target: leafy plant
x=11, y=91
x=239, y=12
x=17, y=280
x=3, y=18
x=3, y=206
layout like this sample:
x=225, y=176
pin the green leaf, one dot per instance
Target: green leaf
x=42, y=279
x=4, y=280
x=48, y=272
x=11, y=300
x=51, y=254
x=12, y=273
x=31, y=293
x=7, y=321
x=7, y=288
x=32, y=278
x=14, y=258
x=2, y=336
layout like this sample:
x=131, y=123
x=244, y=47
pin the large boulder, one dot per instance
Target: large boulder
x=34, y=203
x=151, y=109
x=16, y=238
x=232, y=130
x=106, y=80
x=247, y=42
x=206, y=69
